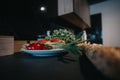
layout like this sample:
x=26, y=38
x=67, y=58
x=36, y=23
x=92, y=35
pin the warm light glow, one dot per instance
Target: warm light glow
x=42, y=8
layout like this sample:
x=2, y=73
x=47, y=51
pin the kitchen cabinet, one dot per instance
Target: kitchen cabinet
x=75, y=12
x=81, y=8
x=65, y=7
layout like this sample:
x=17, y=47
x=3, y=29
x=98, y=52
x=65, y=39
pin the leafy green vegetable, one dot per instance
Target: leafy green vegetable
x=72, y=47
x=63, y=34
x=70, y=39
x=79, y=35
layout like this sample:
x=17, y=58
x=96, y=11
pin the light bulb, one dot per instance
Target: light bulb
x=42, y=8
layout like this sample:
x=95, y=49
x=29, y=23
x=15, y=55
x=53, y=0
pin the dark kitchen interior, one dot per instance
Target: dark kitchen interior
x=91, y=2
x=24, y=20
x=95, y=31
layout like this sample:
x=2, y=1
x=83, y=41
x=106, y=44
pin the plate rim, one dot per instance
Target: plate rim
x=42, y=50
x=53, y=52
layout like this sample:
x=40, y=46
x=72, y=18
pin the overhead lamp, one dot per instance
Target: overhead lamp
x=42, y=8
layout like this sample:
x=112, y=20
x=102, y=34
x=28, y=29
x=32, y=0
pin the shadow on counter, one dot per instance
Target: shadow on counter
x=89, y=71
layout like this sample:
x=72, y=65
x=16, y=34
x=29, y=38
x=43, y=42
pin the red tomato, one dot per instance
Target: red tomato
x=43, y=47
x=34, y=46
x=55, y=40
x=43, y=41
x=37, y=46
x=30, y=47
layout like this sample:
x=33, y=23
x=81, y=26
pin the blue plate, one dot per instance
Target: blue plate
x=44, y=53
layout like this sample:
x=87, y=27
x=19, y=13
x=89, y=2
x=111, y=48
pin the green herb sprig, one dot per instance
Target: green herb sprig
x=70, y=38
x=72, y=46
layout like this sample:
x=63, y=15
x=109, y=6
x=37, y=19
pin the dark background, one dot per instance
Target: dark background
x=95, y=32
x=24, y=20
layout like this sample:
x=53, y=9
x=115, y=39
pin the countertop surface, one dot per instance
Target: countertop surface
x=22, y=66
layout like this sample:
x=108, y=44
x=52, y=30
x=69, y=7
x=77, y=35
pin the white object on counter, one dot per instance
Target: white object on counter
x=48, y=33
x=84, y=36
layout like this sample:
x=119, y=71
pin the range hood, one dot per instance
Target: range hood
x=77, y=13
x=75, y=20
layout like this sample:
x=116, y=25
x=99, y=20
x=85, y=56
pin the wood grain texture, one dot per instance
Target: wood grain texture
x=65, y=7
x=81, y=8
x=6, y=45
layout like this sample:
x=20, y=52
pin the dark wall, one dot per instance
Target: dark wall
x=95, y=32
x=23, y=19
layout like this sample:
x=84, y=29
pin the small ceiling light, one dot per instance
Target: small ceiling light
x=43, y=8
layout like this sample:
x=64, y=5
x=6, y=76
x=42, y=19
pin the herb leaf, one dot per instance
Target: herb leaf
x=73, y=49
x=79, y=35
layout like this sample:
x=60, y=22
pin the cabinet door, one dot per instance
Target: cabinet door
x=65, y=7
x=81, y=8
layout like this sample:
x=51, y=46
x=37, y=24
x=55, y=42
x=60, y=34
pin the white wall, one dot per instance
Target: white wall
x=110, y=21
